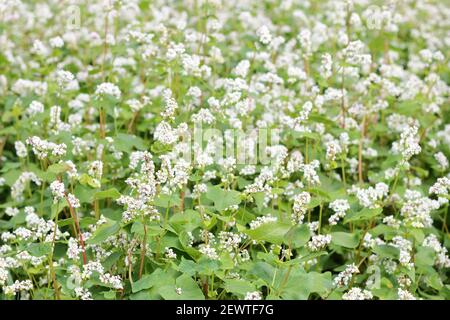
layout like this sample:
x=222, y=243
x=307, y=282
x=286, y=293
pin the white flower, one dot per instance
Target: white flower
x=21, y=149
x=194, y=92
x=326, y=67
x=357, y=294
x=309, y=172
x=18, y=286
x=208, y=251
x=135, y=105
x=371, y=197
x=111, y=280
x=73, y=201
x=63, y=78
x=442, y=259
x=264, y=35
x=405, y=295
x=408, y=145
x=300, y=207
x=442, y=160
x=73, y=250
x=417, y=209
x=343, y=278
x=340, y=207
x=165, y=134
x=56, y=42
x=170, y=254
x=254, y=295
x=319, y=242
x=35, y=108
x=441, y=186
x=259, y=221
x=95, y=169
x=242, y=68
x=39, y=48
x=83, y=293
x=58, y=190
x=11, y=211
x=108, y=88
x=19, y=186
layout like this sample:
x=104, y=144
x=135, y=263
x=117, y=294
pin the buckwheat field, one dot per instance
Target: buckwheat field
x=212, y=149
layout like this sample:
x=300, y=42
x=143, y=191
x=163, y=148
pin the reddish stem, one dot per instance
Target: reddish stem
x=182, y=195
x=74, y=216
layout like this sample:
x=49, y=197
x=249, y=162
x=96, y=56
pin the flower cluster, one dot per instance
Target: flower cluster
x=213, y=149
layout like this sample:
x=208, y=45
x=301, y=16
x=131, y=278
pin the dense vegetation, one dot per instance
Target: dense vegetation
x=249, y=149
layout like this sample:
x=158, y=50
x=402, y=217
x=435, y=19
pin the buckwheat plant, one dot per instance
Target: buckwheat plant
x=212, y=149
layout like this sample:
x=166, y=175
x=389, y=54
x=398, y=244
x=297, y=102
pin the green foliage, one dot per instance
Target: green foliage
x=109, y=191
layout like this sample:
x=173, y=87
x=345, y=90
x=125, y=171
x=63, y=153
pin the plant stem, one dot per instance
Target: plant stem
x=143, y=250
x=444, y=223
x=360, y=173
x=52, y=270
x=320, y=218
x=344, y=179
x=74, y=217
x=182, y=201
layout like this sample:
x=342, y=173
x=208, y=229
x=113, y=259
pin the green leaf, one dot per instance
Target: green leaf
x=300, y=285
x=298, y=236
x=363, y=215
x=226, y=261
x=418, y=234
x=160, y=148
x=270, y=232
x=207, y=266
x=189, y=290
x=10, y=166
x=310, y=135
x=8, y=130
x=11, y=176
x=184, y=241
x=56, y=208
x=310, y=256
x=259, y=200
x=84, y=194
x=434, y=281
x=103, y=232
x=153, y=229
x=188, y=267
x=425, y=257
x=223, y=198
x=319, y=118
x=187, y=221
x=322, y=195
x=167, y=201
x=111, y=193
x=346, y=240
x=238, y=286
x=386, y=251
x=39, y=249
x=126, y=142
x=85, y=179
x=264, y=271
x=58, y=168
x=385, y=293
x=146, y=282
x=409, y=108
x=109, y=295
x=111, y=260
x=445, y=292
